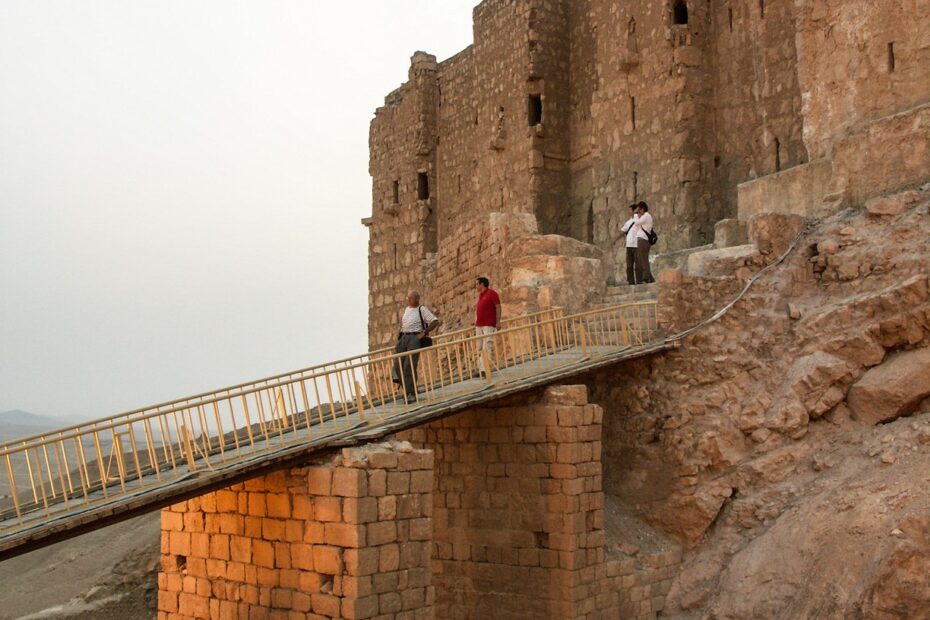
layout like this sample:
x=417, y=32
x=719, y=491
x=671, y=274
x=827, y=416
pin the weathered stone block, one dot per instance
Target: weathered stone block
x=892, y=205
x=773, y=233
x=349, y=483
x=730, y=232
x=688, y=56
x=891, y=389
x=566, y=395
x=797, y=191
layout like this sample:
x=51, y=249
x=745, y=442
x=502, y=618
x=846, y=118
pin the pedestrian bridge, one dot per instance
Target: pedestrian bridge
x=75, y=479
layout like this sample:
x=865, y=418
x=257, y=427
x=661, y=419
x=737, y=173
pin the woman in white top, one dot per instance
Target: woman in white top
x=642, y=224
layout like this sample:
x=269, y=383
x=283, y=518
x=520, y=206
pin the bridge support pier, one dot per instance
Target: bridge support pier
x=347, y=538
x=518, y=521
x=518, y=508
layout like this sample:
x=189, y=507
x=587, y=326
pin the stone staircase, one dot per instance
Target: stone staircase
x=628, y=294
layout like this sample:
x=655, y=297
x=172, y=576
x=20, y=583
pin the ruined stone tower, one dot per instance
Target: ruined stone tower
x=563, y=112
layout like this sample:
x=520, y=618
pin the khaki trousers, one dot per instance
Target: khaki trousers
x=485, y=344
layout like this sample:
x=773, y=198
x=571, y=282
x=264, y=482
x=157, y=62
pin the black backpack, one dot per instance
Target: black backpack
x=652, y=236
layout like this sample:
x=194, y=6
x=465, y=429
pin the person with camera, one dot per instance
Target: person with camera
x=642, y=225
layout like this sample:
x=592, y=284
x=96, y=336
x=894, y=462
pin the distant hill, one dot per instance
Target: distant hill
x=17, y=423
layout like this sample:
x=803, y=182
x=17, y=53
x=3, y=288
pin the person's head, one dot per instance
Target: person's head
x=634, y=208
x=413, y=299
x=642, y=207
x=482, y=284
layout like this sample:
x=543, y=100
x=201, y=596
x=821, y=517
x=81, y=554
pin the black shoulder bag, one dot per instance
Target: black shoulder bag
x=425, y=341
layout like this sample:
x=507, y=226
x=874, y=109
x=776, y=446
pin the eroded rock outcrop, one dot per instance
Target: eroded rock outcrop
x=748, y=446
x=893, y=389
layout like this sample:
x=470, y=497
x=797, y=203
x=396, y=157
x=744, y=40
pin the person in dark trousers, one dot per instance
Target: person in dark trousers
x=643, y=225
x=631, y=245
x=418, y=321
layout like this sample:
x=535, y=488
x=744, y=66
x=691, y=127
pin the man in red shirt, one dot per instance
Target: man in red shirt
x=487, y=319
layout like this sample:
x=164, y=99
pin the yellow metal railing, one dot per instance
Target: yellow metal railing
x=465, y=332
x=130, y=453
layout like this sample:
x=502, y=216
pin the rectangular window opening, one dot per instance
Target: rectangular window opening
x=680, y=12
x=891, y=57
x=423, y=186
x=534, y=110
x=396, y=190
x=730, y=15
x=762, y=9
x=635, y=185
x=589, y=225
x=633, y=112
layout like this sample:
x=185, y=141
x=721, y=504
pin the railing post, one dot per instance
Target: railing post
x=13, y=492
x=361, y=405
x=584, y=339
x=188, y=450
x=487, y=364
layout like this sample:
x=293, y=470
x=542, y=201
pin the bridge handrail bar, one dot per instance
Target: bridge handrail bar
x=130, y=416
x=173, y=406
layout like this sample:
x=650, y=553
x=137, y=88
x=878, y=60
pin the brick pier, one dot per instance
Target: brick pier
x=348, y=538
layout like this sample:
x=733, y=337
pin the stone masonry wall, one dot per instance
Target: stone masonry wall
x=649, y=136
x=757, y=98
x=859, y=61
x=404, y=223
x=518, y=521
x=346, y=538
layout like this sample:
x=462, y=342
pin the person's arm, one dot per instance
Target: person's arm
x=430, y=322
x=430, y=326
x=626, y=226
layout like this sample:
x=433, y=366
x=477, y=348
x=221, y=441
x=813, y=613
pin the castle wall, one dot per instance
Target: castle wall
x=860, y=61
x=642, y=82
x=757, y=98
x=403, y=227
x=634, y=101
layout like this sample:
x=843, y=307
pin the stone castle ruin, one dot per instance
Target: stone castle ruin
x=774, y=465
x=517, y=157
x=766, y=455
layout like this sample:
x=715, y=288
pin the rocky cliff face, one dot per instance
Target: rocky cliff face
x=787, y=445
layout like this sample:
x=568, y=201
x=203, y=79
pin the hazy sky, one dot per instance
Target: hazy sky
x=181, y=185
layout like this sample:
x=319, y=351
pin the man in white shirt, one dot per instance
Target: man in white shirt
x=630, y=231
x=642, y=225
x=415, y=325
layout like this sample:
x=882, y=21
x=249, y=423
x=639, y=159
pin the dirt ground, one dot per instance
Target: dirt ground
x=109, y=574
